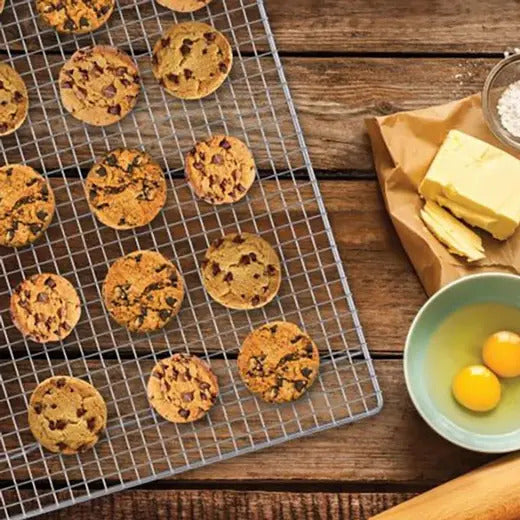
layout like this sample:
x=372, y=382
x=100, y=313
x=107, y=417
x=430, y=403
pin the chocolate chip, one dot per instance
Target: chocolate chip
x=61, y=446
x=52, y=284
x=271, y=270
x=171, y=301
x=300, y=385
x=185, y=49
x=18, y=97
x=109, y=91
x=138, y=321
x=42, y=215
x=255, y=300
x=306, y=372
x=42, y=297
x=222, y=67
x=80, y=412
x=228, y=277
x=83, y=22
x=38, y=408
x=60, y=424
x=45, y=190
x=91, y=423
x=101, y=171
x=217, y=159
x=238, y=239
x=253, y=257
x=210, y=36
x=241, y=188
x=69, y=25
x=184, y=413
x=122, y=221
x=121, y=71
x=165, y=42
x=274, y=329
x=296, y=339
x=198, y=165
x=3, y=127
x=114, y=110
x=35, y=228
x=245, y=260
x=174, y=78
x=187, y=397
x=225, y=144
x=165, y=314
x=52, y=425
x=188, y=73
x=215, y=269
x=217, y=242
x=204, y=386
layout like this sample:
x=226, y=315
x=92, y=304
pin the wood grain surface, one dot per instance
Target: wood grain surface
x=344, y=61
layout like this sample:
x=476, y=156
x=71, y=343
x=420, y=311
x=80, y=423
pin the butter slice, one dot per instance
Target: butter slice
x=459, y=239
x=477, y=182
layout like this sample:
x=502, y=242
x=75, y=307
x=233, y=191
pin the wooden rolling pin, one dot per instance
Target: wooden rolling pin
x=491, y=492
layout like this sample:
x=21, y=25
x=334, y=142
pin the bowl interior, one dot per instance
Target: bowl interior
x=505, y=73
x=479, y=289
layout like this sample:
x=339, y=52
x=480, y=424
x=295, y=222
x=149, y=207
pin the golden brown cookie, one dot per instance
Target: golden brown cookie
x=192, y=60
x=99, y=85
x=182, y=388
x=26, y=205
x=279, y=362
x=220, y=170
x=126, y=189
x=241, y=271
x=75, y=16
x=143, y=291
x=184, y=6
x=66, y=415
x=14, y=100
x=45, y=307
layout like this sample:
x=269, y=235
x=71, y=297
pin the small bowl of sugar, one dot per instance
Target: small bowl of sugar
x=501, y=101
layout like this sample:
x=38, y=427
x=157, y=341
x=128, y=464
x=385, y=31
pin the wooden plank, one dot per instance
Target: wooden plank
x=233, y=505
x=383, y=283
x=332, y=118
x=394, y=447
x=326, y=26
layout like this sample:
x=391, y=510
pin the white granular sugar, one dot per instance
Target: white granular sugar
x=509, y=109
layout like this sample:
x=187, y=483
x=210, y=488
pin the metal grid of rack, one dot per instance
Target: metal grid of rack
x=285, y=207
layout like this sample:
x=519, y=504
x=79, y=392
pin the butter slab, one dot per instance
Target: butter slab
x=477, y=182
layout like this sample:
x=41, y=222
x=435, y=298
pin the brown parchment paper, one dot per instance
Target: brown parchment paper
x=404, y=145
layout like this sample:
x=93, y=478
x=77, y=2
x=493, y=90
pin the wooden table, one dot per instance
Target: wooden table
x=346, y=60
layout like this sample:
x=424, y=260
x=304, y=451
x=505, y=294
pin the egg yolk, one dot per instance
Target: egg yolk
x=477, y=388
x=501, y=353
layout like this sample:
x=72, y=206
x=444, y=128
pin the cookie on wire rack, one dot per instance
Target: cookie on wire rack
x=184, y=6
x=99, y=85
x=75, y=16
x=45, y=308
x=220, y=170
x=26, y=205
x=182, y=388
x=14, y=100
x=143, y=291
x=241, y=271
x=126, y=189
x=67, y=415
x=279, y=362
x=192, y=60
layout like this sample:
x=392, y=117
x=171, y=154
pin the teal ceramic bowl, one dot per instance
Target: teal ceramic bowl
x=482, y=288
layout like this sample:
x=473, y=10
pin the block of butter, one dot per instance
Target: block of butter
x=459, y=239
x=477, y=182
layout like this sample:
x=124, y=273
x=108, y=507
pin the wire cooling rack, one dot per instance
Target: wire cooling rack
x=285, y=207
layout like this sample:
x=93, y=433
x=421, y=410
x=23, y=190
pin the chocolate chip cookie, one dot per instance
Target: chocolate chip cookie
x=192, y=60
x=126, y=189
x=66, y=415
x=279, y=362
x=14, y=100
x=26, y=205
x=182, y=388
x=241, y=271
x=75, y=16
x=184, y=6
x=99, y=85
x=143, y=291
x=220, y=170
x=45, y=307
